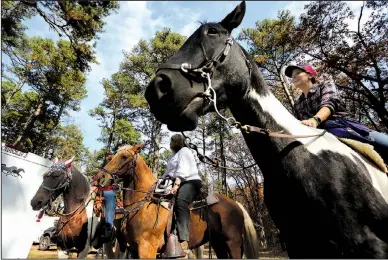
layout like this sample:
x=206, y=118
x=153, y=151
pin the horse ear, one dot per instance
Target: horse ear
x=234, y=18
x=69, y=162
x=55, y=160
x=137, y=147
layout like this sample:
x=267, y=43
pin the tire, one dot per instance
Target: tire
x=44, y=243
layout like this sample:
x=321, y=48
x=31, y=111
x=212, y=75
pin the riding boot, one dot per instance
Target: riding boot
x=107, y=233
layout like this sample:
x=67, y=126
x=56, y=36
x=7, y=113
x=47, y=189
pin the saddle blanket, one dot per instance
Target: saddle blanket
x=366, y=150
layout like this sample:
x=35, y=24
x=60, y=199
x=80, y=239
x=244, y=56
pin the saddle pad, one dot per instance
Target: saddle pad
x=211, y=199
x=366, y=150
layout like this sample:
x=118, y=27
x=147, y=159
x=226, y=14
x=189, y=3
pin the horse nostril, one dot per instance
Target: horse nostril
x=163, y=83
x=36, y=203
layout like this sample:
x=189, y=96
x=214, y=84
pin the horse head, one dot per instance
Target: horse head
x=121, y=164
x=55, y=181
x=180, y=91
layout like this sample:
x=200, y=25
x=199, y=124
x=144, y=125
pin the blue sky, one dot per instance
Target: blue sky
x=137, y=20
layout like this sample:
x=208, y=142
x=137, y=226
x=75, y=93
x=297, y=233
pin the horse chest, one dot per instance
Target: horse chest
x=72, y=229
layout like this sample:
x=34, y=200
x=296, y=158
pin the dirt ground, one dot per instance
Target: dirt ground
x=52, y=254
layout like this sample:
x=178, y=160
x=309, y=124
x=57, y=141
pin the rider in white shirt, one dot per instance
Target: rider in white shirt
x=183, y=167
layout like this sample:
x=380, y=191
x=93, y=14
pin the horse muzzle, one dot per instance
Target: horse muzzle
x=39, y=202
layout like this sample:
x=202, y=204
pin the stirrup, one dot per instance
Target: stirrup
x=173, y=248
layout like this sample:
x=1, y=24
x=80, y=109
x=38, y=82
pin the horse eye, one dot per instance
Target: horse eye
x=124, y=157
x=212, y=31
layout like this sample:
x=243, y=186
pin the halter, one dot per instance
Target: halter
x=207, y=71
x=66, y=181
x=120, y=170
x=63, y=185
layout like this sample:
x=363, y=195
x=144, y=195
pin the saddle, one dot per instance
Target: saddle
x=172, y=248
x=356, y=136
x=366, y=150
x=162, y=192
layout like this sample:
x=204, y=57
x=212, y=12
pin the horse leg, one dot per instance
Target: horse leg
x=146, y=250
x=235, y=249
x=219, y=248
x=199, y=252
x=84, y=253
x=120, y=250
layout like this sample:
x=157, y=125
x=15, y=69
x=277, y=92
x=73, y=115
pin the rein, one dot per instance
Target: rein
x=206, y=72
x=212, y=162
x=116, y=175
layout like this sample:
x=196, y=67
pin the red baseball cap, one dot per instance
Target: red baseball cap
x=305, y=67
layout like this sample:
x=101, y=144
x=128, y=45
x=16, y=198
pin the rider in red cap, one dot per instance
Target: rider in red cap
x=320, y=106
x=318, y=101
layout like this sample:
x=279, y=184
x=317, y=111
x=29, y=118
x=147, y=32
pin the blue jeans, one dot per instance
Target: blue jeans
x=381, y=146
x=110, y=206
x=380, y=138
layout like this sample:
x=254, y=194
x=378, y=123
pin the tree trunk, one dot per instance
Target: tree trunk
x=223, y=162
x=18, y=88
x=156, y=148
x=110, y=139
x=287, y=91
x=204, y=149
x=28, y=126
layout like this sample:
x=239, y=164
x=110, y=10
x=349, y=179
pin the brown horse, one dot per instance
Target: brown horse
x=77, y=225
x=231, y=229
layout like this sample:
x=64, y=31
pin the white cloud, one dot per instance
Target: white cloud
x=354, y=4
x=135, y=20
x=122, y=31
x=296, y=7
x=356, y=8
x=189, y=28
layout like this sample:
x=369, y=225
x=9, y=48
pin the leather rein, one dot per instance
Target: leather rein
x=206, y=72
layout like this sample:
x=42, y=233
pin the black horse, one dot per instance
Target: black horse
x=77, y=225
x=326, y=199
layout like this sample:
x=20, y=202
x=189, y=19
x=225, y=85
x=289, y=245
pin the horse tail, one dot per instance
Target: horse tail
x=251, y=243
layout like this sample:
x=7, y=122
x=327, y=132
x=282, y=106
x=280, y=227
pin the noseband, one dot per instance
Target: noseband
x=206, y=71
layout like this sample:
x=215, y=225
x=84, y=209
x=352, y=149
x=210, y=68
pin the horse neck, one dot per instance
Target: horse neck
x=77, y=192
x=259, y=107
x=142, y=182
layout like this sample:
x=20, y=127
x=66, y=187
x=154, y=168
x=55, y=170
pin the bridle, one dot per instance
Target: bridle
x=207, y=71
x=62, y=186
x=65, y=182
x=125, y=167
x=116, y=175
